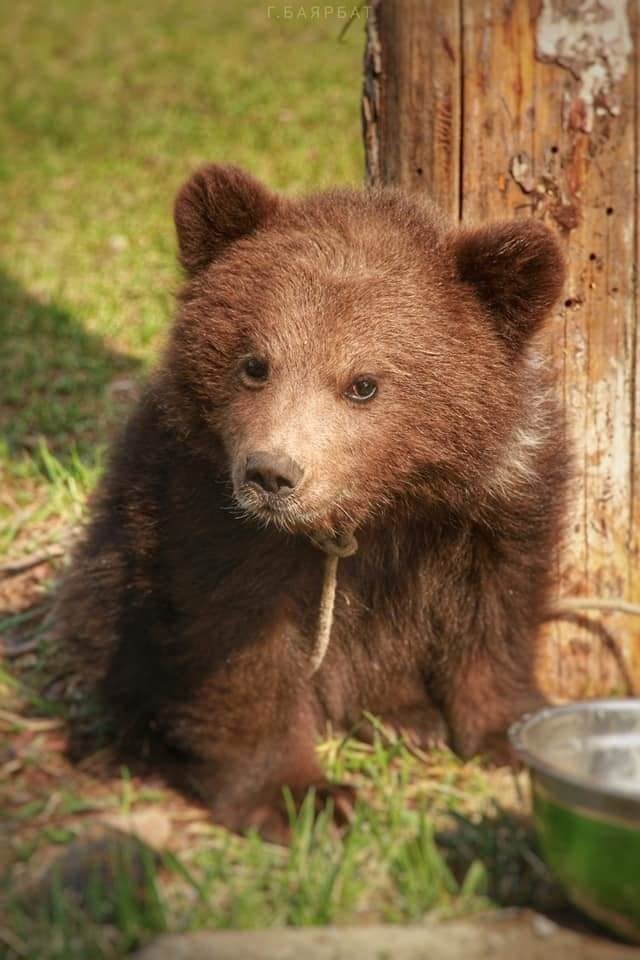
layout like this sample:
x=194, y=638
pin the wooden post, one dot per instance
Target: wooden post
x=530, y=108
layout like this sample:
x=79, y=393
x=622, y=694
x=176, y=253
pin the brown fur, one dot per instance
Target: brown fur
x=196, y=608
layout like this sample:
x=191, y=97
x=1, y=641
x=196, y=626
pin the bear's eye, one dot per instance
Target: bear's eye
x=254, y=372
x=362, y=388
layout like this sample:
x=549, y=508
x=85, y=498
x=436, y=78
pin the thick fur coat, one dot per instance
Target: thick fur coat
x=347, y=362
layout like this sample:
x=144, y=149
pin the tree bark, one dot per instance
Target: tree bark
x=530, y=108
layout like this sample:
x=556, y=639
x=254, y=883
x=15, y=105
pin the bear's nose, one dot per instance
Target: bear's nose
x=274, y=473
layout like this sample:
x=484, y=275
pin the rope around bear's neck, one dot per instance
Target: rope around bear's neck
x=346, y=544
x=334, y=548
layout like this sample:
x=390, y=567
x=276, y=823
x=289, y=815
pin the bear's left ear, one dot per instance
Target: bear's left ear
x=217, y=205
x=516, y=269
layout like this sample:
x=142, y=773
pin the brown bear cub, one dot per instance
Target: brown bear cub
x=342, y=365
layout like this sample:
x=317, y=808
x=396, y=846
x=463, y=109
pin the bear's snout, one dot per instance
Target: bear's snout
x=275, y=474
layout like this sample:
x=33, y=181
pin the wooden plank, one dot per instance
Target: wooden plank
x=548, y=115
x=634, y=539
x=591, y=176
x=412, y=131
x=499, y=110
x=543, y=138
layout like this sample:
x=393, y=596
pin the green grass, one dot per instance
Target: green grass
x=396, y=862
x=430, y=835
x=105, y=107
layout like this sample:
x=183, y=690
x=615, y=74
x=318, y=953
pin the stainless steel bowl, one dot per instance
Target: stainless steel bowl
x=584, y=760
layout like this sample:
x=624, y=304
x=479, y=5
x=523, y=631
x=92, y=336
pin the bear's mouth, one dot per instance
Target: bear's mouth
x=284, y=513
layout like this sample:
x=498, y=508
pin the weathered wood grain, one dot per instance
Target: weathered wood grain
x=548, y=99
x=412, y=131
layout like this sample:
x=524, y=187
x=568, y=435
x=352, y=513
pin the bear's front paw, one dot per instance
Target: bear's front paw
x=273, y=820
x=422, y=727
x=341, y=797
x=498, y=752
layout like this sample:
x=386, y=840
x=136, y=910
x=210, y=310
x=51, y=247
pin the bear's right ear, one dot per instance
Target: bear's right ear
x=516, y=269
x=217, y=205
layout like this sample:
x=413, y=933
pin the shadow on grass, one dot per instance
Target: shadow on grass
x=504, y=844
x=58, y=408
x=54, y=375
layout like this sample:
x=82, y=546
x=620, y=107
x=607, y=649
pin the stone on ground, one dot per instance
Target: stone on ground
x=511, y=935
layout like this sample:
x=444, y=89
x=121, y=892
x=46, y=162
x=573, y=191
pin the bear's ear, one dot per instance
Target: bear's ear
x=216, y=206
x=516, y=269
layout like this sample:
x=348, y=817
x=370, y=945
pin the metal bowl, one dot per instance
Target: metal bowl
x=584, y=761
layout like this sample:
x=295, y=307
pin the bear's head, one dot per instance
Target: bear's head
x=350, y=352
